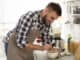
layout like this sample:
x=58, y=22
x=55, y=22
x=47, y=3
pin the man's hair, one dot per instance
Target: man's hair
x=55, y=7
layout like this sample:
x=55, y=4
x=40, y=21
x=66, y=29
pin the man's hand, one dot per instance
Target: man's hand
x=54, y=50
x=47, y=47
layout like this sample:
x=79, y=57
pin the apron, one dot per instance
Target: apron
x=16, y=53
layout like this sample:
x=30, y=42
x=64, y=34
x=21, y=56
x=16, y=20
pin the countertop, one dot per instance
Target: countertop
x=64, y=58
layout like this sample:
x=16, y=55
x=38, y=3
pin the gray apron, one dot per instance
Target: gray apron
x=16, y=53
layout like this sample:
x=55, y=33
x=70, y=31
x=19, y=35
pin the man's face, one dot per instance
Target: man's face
x=50, y=17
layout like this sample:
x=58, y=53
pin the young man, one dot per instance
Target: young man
x=41, y=20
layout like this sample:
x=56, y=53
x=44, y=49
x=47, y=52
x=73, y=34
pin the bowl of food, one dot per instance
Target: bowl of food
x=53, y=53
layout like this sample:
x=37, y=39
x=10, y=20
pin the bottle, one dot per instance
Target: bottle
x=69, y=41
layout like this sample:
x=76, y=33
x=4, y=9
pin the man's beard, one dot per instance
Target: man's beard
x=44, y=21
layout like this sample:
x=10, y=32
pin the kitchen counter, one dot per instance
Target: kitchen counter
x=64, y=58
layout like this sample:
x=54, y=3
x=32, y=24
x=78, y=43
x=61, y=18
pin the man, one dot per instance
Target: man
x=41, y=20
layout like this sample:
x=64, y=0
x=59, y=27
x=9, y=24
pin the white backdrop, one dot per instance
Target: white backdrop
x=15, y=8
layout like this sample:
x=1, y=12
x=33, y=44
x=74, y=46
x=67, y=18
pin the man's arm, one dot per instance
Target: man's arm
x=38, y=47
x=34, y=47
x=22, y=29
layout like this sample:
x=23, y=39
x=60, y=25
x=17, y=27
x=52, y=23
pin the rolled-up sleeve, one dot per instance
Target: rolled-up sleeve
x=23, y=29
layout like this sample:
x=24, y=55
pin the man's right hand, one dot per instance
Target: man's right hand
x=47, y=47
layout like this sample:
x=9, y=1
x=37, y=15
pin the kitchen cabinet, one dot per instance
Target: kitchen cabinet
x=73, y=10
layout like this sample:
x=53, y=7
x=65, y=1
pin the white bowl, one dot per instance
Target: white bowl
x=52, y=55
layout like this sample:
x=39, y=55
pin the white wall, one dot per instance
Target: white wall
x=1, y=11
x=2, y=55
x=15, y=8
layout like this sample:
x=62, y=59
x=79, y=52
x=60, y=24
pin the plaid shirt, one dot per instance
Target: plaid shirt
x=24, y=25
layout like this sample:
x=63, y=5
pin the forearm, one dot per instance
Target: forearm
x=34, y=47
